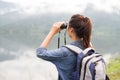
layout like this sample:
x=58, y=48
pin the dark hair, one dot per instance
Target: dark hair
x=82, y=27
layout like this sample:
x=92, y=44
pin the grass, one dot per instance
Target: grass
x=113, y=69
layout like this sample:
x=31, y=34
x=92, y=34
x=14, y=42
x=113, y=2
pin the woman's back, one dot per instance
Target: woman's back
x=64, y=59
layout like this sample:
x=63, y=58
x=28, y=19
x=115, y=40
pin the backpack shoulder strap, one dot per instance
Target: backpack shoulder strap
x=77, y=49
x=74, y=48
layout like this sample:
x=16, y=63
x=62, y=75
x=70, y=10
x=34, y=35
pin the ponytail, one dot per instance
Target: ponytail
x=83, y=27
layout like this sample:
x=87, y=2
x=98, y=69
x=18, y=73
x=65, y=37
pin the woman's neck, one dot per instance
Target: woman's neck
x=77, y=39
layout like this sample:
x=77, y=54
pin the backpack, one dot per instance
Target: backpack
x=90, y=65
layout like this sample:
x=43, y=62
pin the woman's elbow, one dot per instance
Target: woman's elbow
x=38, y=52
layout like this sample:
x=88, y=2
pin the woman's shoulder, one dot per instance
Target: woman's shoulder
x=67, y=51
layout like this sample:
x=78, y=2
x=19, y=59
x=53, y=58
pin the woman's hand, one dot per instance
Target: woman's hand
x=56, y=27
x=54, y=30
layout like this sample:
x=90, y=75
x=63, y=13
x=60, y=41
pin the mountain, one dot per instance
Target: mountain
x=18, y=31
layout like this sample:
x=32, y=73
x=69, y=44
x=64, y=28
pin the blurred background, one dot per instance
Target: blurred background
x=25, y=23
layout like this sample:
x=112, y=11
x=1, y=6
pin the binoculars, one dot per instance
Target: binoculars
x=63, y=26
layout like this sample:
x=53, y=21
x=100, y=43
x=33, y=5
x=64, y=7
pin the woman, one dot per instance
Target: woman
x=79, y=30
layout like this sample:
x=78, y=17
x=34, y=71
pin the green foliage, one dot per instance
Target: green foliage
x=113, y=69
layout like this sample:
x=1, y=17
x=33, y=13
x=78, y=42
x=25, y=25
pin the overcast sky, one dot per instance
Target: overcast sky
x=57, y=6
